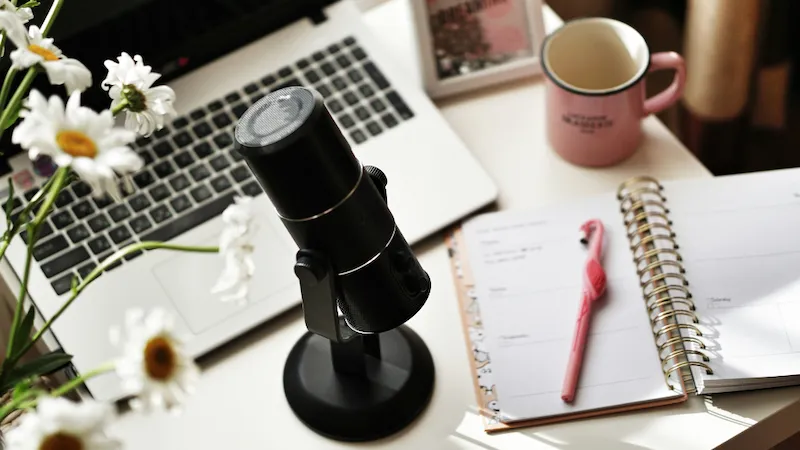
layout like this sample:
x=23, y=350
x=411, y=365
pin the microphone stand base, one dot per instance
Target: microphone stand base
x=379, y=385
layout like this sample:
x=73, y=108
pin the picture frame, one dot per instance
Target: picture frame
x=470, y=44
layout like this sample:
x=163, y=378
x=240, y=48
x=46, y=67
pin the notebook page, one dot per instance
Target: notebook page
x=740, y=240
x=528, y=269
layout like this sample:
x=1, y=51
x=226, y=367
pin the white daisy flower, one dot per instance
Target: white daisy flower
x=61, y=424
x=153, y=366
x=236, y=248
x=33, y=48
x=78, y=137
x=23, y=14
x=131, y=81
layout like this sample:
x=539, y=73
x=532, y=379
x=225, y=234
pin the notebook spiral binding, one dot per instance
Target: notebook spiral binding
x=665, y=287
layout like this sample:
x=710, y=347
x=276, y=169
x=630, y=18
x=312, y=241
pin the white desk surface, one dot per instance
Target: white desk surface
x=240, y=403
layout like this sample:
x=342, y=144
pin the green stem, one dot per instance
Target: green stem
x=60, y=178
x=16, y=100
x=51, y=17
x=9, y=80
x=118, y=255
x=121, y=107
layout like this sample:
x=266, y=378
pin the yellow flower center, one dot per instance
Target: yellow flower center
x=76, y=143
x=159, y=358
x=43, y=52
x=61, y=441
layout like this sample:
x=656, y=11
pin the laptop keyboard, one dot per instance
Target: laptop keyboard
x=191, y=173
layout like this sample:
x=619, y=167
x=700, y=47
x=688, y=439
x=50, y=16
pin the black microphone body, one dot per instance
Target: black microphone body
x=329, y=203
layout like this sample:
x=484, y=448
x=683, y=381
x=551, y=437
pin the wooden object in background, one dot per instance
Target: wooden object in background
x=771, y=84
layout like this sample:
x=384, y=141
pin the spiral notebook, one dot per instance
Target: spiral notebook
x=703, y=297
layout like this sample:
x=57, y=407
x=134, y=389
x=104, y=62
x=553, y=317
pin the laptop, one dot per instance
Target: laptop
x=191, y=175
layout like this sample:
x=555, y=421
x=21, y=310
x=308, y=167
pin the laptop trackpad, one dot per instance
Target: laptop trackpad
x=187, y=279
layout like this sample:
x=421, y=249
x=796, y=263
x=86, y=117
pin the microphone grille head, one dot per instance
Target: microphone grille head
x=276, y=116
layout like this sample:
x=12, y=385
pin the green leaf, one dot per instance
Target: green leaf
x=30, y=4
x=11, y=120
x=21, y=388
x=23, y=333
x=40, y=366
x=9, y=206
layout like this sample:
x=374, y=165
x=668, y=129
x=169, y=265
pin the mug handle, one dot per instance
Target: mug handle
x=665, y=98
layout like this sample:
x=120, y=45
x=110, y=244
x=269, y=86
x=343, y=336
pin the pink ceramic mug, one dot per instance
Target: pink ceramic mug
x=596, y=101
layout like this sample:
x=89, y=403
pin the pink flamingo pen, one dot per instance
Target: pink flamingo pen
x=594, y=285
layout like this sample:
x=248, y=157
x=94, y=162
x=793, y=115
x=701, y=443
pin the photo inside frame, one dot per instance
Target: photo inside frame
x=472, y=35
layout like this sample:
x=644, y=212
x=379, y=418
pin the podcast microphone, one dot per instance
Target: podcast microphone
x=364, y=375
x=330, y=203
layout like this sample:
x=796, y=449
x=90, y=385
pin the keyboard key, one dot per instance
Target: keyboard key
x=62, y=219
x=236, y=156
x=358, y=136
x=99, y=223
x=350, y=98
x=66, y=261
x=183, y=159
x=203, y=149
x=362, y=113
x=359, y=53
x=202, y=129
x=238, y=110
x=376, y=75
x=63, y=284
x=197, y=114
x=179, y=123
x=200, y=194
x=99, y=245
x=311, y=75
x=327, y=68
x=399, y=105
x=15, y=217
x=219, y=163
x=349, y=40
x=222, y=120
x=160, y=192
x=366, y=90
x=182, y=139
x=346, y=121
x=64, y=198
x=81, y=189
x=190, y=219
x=285, y=72
x=318, y=56
x=16, y=202
x=147, y=157
x=86, y=269
x=334, y=48
x=288, y=83
x=78, y=233
x=163, y=169
x=143, y=178
x=119, y=213
x=119, y=234
x=179, y=182
x=232, y=97
x=339, y=83
x=324, y=91
x=241, y=173
x=216, y=105
x=335, y=106
x=377, y=105
x=223, y=140
x=112, y=266
x=343, y=61
x=199, y=172
x=142, y=141
x=374, y=128
x=220, y=183
x=140, y=224
x=30, y=193
x=48, y=248
x=302, y=64
x=133, y=255
x=252, y=189
x=139, y=202
x=256, y=97
x=180, y=203
x=251, y=88
x=389, y=120
x=161, y=133
x=102, y=202
x=268, y=80
x=163, y=149
x=160, y=213
x=44, y=230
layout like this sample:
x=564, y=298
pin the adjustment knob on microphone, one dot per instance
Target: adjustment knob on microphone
x=379, y=178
